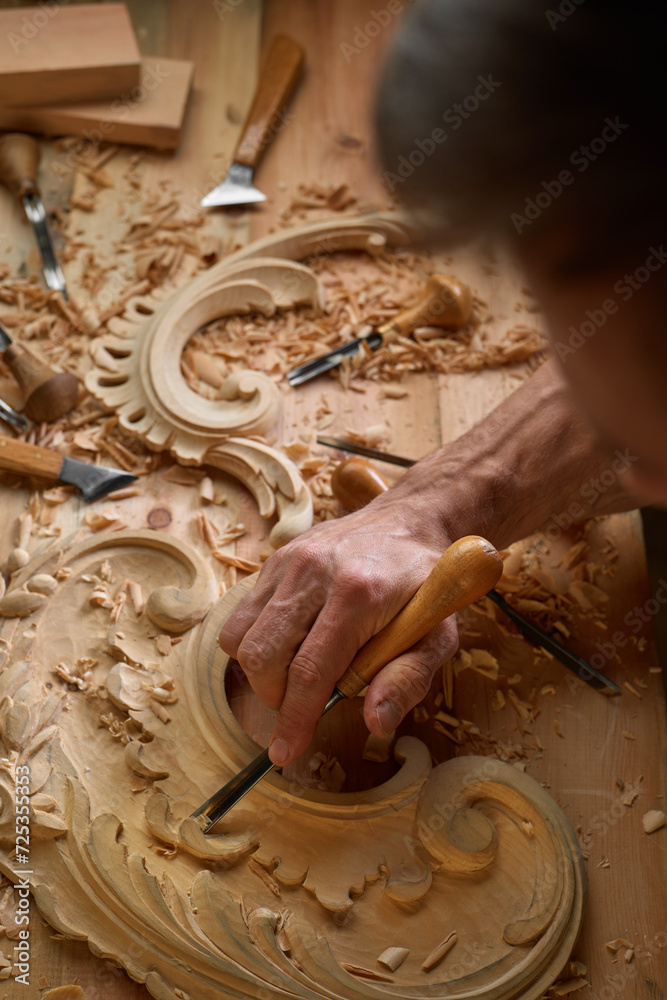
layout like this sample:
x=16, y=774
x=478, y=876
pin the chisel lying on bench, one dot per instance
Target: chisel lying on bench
x=93, y=481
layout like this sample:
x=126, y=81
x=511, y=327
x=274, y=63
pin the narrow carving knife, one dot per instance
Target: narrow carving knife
x=19, y=159
x=444, y=302
x=279, y=77
x=93, y=481
x=355, y=483
x=463, y=574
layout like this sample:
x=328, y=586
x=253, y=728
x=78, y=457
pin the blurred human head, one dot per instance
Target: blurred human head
x=545, y=128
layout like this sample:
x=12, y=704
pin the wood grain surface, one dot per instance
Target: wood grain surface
x=586, y=762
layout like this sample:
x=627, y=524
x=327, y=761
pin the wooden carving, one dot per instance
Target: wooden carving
x=137, y=366
x=463, y=880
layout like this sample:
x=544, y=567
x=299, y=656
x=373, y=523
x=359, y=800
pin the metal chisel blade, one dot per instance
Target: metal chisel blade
x=236, y=189
x=17, y=420
x=331, y=360
x=360, y=449
x=231, y=793
x=53, y=275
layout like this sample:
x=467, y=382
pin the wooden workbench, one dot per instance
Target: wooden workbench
x=584, y=763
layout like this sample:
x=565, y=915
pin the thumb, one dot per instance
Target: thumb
x=405, y=681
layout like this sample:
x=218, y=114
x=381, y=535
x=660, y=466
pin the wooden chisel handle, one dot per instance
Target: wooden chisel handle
x=48, y=394
x=445, y=301
x=29, y=459
x=19, y=159
x=466, y=571
x=280, y=74
x=355, y=482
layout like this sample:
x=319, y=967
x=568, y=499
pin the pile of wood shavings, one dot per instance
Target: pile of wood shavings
x=362, y=292
x=163, y=246
x=559, y=595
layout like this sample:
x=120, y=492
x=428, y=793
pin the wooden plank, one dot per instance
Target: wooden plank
x=149, y=114
x=66, y=52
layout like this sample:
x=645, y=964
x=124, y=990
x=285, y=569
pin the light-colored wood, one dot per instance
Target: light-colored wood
x=345, y=875
x=19, y=159
x=468, y=569
x=279, y=76
x=66, y=52
x=328, y=140
x=445, y=302
x=29, y=459
x=151, y=113
x=226, y=60
x=48, y=394
x=137, y=368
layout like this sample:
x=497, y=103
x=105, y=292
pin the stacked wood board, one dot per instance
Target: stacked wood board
x=76, y=70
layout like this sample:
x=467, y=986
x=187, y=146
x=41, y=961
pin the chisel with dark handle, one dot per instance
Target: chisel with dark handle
x=19, y=159
x=48, y=394
x=462, y=574
x=93, y=481
x=355, y=482
x=445, y=302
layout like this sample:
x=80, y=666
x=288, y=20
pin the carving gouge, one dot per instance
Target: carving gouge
x=444, y=302
x=280, y=75
x=48, y=394
x=462, y=574
x=93, y=481
x=355, y=482
x=19, y=158
x=12, y=417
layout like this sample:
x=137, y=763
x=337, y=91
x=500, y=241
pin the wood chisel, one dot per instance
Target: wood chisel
x=280, y=75
x=48, y=394
x=463, y=574
x=19, y=159
x=355, y=482
x=444, y=302
x=93, y=481
x=17, y=420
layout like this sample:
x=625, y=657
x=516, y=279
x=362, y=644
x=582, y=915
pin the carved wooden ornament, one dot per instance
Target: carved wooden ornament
x=465, y=879
x=137, y=366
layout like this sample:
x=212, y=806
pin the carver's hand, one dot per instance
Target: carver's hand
x=318, y=600
x=530, y=463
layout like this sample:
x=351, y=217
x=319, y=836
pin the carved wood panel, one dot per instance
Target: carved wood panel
x=117, y=705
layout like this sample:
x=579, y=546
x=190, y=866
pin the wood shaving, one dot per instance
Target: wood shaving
x=498, y=701
x=264, y=875
x=70, y=992
x=568, y=986
x=359, y=970
x=653, y=820
x=617, y=944
x=439, y=952
x=378, y=748
x=392, y=958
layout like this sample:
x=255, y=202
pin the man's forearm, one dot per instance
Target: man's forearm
x=532, y=461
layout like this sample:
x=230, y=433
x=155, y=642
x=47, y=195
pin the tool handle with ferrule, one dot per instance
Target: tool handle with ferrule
x=48, y=394
x=464, y=573
x=444, y=302
x=19, y=159
x=355, y=482
x=280, y=75
x=29, y=459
